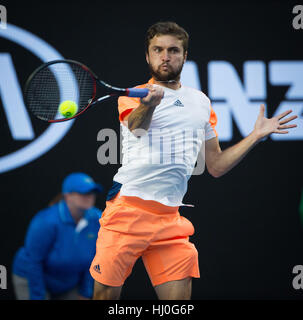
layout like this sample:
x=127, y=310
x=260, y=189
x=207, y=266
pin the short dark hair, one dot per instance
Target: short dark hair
x=167, y=28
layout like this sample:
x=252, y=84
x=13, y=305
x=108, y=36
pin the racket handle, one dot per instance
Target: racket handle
x=137, y=93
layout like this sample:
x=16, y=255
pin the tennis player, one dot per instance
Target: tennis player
x=141, y=218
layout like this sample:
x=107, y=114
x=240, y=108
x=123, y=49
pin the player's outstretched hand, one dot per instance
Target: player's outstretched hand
x=264, y=126
x=154, y=96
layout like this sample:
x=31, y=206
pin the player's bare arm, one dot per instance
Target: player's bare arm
x=140, y=118
x=219, y=162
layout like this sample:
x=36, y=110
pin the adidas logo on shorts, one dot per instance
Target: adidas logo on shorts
x=178, y=103
x=97, y=268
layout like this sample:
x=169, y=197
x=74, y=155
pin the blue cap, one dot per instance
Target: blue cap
x=81, y=183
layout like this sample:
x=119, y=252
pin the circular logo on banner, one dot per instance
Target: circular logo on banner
x=54, y=133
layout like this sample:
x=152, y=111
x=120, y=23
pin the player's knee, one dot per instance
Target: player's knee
x=104, y=292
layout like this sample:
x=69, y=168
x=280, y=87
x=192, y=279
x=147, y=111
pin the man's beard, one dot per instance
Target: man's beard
x=171, y=75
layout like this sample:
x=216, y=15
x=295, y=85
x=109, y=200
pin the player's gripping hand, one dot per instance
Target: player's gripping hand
x=154, y=96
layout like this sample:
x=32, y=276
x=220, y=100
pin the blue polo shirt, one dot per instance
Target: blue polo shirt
x=57, y=252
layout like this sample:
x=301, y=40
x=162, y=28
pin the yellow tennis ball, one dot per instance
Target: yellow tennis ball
x=68, y=108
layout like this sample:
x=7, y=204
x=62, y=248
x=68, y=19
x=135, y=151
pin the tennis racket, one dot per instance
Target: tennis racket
x=61, y=81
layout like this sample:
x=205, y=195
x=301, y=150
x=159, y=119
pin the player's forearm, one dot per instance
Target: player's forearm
x=231, y=156
x=140, y=118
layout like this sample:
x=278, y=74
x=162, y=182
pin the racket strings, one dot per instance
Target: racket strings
x=56, y=83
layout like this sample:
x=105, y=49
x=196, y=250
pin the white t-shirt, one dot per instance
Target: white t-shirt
x=157, y=165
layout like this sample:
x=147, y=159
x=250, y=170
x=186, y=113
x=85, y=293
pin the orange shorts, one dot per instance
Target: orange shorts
x=131, y=228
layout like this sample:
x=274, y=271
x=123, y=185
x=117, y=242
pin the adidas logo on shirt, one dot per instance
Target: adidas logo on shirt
x=178, y=103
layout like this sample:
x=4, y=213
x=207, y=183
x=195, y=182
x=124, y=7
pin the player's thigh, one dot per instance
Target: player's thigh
x=175, y=290
x=171, y=260
x=104, y=292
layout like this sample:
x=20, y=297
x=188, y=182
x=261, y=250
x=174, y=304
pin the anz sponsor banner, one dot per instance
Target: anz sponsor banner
x=231, y=98
x=240, y=101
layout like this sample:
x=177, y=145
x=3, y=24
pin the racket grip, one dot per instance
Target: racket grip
x=137, y=93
